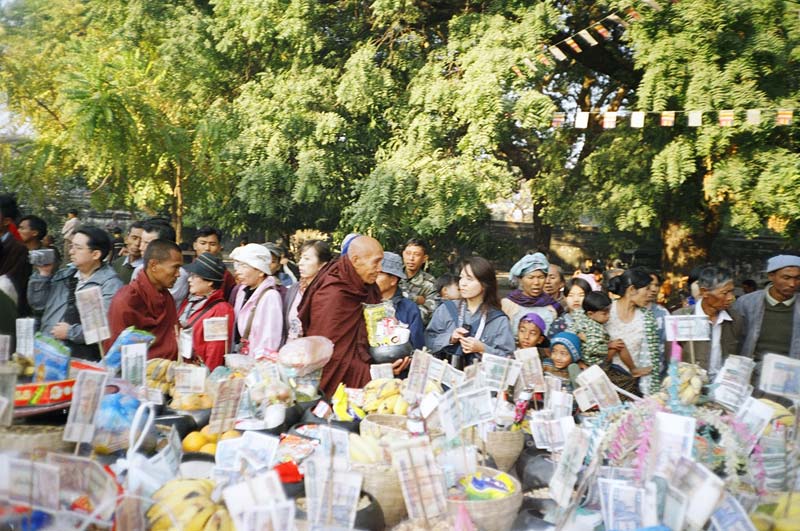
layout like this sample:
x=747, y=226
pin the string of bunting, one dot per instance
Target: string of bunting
x=725, y=118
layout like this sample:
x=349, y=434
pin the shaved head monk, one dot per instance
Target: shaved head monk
x=332, y=307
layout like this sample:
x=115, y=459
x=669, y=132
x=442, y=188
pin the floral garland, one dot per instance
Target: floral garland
x=653, y=348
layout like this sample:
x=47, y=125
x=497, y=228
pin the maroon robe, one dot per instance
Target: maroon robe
x=332, y=307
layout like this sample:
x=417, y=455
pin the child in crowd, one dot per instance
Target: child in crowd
x=599, y=350
x=446, y=287
x=565, y=352
x=530, y=333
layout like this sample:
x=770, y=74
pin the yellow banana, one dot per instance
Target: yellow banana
x=401, y=406
x=199, y=520
x=220, y=521
x=391, y=387
x=182, y=487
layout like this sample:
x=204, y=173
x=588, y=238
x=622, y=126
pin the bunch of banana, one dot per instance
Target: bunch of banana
x=160, y=375
x=365, y=449
x=24, y=364
x=383, y=396
x=343, y=409
x=186, y=504
x=691, y=379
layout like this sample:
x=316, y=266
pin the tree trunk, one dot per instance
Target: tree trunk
x=542, y=232
x=178, y=211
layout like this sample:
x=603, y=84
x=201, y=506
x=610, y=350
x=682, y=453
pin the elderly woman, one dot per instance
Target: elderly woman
x=716, y=297
x=576, y=290
x=530, y=273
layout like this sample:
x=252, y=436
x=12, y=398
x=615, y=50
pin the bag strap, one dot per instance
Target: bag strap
x=252, y=316
x=201, y=313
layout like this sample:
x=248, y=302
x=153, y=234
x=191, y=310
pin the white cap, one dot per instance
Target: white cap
x=254, y=255
x=781, y=261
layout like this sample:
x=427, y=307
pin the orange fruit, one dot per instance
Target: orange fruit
x=194, y=441
x=230, y=434
x=209, y=448
x=210, y=437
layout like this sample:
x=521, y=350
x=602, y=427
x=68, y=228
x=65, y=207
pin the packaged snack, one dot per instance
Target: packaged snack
x=114, y=420
x=376, y=316
x=482, y=487
x=306, y=354
x=129, y=336
x=50, y=359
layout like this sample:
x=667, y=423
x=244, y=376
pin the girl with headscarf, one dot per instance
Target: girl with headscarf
x=530, y=272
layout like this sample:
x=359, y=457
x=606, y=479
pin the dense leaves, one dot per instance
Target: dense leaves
x=398, y=117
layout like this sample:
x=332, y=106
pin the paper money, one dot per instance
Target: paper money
x=86, y=394
x=417, y=376
x=134, y=363
x=687, y=328
x=5, y=348
x=756, y=415
x=732, y=383
x=673, y=437
x=190, y=379
x=702, y=488
x=600, y=386
x=499, y=372
x=381, y=370
x=226, y=406
x=215, y=329
x=421, y=479
x=561, y=404
x=531, y=373
x=335, y=443
x=622, y=504
x=566, y=474
x=25, y=328
x=584, y=398
x=780, y=375
x=93, y=315
x=459, y=411
x=730, y=516
x=549, y=433
x=675, y=505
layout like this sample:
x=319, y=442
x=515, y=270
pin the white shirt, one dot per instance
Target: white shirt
x=715, y=356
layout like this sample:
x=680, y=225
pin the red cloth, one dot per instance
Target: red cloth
x=212, y=352
x=12, y=228
x=141, y=305
x=332, y=307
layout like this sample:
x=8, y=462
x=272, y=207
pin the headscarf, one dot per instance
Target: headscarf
x=569, y=340
x=528, y=263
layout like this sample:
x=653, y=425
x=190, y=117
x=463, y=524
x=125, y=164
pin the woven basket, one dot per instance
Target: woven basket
x=380, y=425
x=491, y=515
x=30, y=437
x=382, y=482
x=505, y=447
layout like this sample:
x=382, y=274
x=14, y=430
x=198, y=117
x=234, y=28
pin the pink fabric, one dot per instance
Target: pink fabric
x=267, y=329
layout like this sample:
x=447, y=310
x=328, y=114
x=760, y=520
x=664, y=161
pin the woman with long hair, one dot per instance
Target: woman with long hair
x=314, y=254
x=475, y=325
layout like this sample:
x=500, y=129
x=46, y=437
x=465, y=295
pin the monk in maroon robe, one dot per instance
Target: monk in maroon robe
x=332, y=307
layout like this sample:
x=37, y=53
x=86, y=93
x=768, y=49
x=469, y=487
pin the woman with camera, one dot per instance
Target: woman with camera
x=461, y=331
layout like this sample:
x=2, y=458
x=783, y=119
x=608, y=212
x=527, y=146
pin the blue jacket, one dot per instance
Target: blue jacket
x=407, y=312
x=496, y=334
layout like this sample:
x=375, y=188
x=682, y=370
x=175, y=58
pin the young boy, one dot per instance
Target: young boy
x=446, y=287
x=597, y=349
x=565, y=350
x=531, y=333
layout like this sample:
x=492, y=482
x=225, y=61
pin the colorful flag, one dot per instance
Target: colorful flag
x=602, y=30
x=609, y=120
x=667, y=118
x=557, y=53
x=587, y=37
x=753, y=116
x=517, y=71
x=655, y=6
x=616, y=18
x=637, y=119
x=558, y=119
x=631, y=12
x=784, y=117
x=726, y=118
x=695, y=118
x=572, y=44
x=581, y=120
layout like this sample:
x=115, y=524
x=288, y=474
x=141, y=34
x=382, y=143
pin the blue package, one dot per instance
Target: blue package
x=50, y=359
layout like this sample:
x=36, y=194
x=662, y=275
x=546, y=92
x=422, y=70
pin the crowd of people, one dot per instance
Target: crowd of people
x=609, y=318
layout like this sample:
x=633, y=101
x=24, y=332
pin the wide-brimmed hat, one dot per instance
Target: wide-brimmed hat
x=254, y=255
x=207, y=266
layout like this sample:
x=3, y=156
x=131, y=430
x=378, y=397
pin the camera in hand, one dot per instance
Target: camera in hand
x=42, y=257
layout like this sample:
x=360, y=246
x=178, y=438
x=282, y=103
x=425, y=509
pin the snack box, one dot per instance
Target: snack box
x=48, y=393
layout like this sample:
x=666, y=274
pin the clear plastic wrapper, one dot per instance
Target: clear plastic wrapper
x=306, y=354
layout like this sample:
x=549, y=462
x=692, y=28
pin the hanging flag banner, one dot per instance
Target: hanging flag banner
x=784, y=117
x=609, y=120
x=581, y=120
x=695, y=118
x=667, y=118
x=637, y=119
x=557, y=53
x=573, y=44
x=558, y=119
x=753, y=116
x=726, y=118
x=587, y=37
x=616, y=18
x=602, y=30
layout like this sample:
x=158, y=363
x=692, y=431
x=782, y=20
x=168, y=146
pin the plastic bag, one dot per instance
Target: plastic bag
x=129, y=336
x=114, y=420
x=378, y=317
x=306, y=354
x=50, y=359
